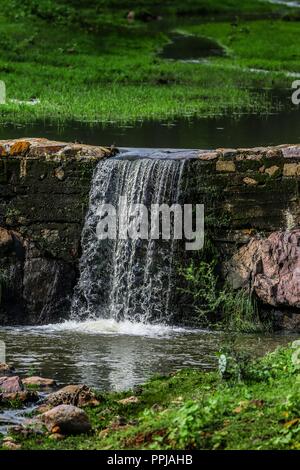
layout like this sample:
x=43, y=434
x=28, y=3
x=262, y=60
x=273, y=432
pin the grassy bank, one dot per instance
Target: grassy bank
x=96, y=66
x=255, y=405
x=248, y=44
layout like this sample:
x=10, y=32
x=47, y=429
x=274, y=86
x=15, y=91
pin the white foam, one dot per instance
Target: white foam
x=112, y=327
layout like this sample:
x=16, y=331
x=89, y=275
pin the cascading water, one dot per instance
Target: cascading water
x=128, y=279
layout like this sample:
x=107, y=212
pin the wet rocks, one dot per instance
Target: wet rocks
x=286, y=320
x=77, y=395
x=225, y=166
x=37, y=148
x=56, y=437
x=12, y=390
x=24, y=397
x=29, y=428
x=273, y=171
x=6, y=241
x=66, y=419
x=44, y=188
x=6, y=369
x=208, y=156
x=291, y=169
x=38, y=382
x=40, y=295
x=129, y=400
x=271, y=268
x=11, y=384
x=250, y=181
x=10, y=444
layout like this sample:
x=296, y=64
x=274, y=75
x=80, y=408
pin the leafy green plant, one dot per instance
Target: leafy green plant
x=32, y=371
x=191, y=425
x=233, y=363
x=224, y=306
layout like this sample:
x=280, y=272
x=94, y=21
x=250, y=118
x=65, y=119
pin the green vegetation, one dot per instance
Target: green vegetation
x=248, y=43
x=247, y=405
x=91, y=64
x=219, y=305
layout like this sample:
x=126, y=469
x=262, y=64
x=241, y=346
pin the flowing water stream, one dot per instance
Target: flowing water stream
x=118, y=335
x=121, y=331
x=125, y=278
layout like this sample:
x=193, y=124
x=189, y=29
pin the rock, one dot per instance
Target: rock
x=208, y=156
x=250, y=181
x=131, y=16
x=19, y=147
x=77, y=395
x=118, y=421
x=26, y=396
x=10, y=444
x=66, y=419
x=39, y=382
x=227, y=153
x=56, y=437
x=274, y=153
x=59, y=173
x=6, y=369
x=291, y=151
x=129, y=400
x=273, y=171
x=287, y=321
x=6, y=241
x=29, y=428
x=271, y=268
x=291, y=169
x=40, y=295
x=239, y=267
x=43, y=408
x=225, y=166
x=11, y=384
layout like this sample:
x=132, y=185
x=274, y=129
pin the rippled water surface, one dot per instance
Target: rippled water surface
x=114, y=356
x=200, y=133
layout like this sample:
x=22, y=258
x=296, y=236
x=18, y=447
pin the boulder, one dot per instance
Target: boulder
x=66, y=419
x=129, y=400
x=270, y=267
x=26, y=396
x=38, y=382
x=6, y=369
x=9, y=444
x=11, y=384
x=77, y=395
x=30, y=427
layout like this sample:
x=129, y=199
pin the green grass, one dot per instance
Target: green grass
x=249, y=45
x=94, y=66
x=193, y=409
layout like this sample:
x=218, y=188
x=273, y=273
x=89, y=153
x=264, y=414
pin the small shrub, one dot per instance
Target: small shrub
x=235, y=310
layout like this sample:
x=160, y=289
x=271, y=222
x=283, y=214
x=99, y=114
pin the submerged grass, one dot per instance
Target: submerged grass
x=193, y=409
x=98, y=67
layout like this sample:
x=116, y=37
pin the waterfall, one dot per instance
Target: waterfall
x=128, y=279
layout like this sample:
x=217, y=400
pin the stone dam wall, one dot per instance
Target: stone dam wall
x=252, y=210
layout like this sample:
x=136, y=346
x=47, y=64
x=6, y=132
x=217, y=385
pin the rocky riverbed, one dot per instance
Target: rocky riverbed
x=36, y=405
